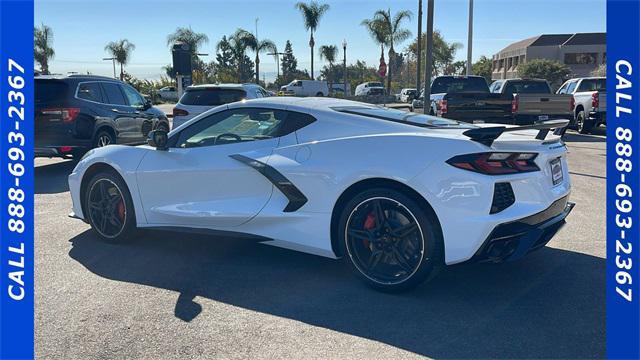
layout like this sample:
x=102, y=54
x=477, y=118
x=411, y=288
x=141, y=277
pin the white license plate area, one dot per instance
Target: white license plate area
x=556, y=171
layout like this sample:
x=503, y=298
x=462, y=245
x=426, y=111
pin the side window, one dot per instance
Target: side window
x=294, y=121
x=563, y=88
x=232, y=126
x=113, y=94
x=90, y=91
x=571, y=87
x=133, y=97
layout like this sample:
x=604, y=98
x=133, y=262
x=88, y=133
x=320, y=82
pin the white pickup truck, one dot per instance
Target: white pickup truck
x=589, y=102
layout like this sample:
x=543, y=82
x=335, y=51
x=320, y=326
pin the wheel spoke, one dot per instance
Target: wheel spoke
x=94, y=206
x=115, y=221
x=359, y=234
x=404, y=230
x=401, y=260
x=104, y=194
x=374, y=259
x=379, y=214
x=103, y=224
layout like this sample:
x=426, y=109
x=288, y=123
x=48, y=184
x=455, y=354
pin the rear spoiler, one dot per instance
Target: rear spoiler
x=487, y=135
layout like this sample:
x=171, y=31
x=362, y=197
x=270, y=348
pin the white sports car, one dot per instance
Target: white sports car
x=396, y=194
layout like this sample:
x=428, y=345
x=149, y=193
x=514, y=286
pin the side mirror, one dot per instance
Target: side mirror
x=147, y=105
x=158, y=139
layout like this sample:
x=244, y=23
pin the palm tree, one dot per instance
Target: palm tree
x=394, y=33
x=329, y=53
x=42, y=50
x=378, y=31
x=258, y=46
x=312, y=12
x=186, y=35
x=121, y=50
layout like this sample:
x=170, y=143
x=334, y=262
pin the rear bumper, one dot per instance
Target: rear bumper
x=598, y=117
x=513, y=240
x=526, y=119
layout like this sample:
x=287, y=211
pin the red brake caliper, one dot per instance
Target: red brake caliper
x=369, y=223
x=121, y=210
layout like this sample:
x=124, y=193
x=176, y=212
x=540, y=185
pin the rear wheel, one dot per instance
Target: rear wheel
x=103, y=138
x=584, y=125
x=320, y=94
x=109, y=208
x=389, y=240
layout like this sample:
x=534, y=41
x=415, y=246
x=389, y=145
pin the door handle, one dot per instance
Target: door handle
x=125, y=112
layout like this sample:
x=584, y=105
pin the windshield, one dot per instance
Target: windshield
x=449, y=84
x=212, y=96
x=409, y=118
x=375, y=84
x=527, y=87
x=49, y=90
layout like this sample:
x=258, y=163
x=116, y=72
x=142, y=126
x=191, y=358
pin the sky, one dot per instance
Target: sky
x=82, y=28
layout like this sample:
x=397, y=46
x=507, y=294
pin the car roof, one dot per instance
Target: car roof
x=318, y=103
x=222, y=86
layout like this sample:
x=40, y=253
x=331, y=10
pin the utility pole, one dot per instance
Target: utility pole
x=470, y=39
x=257, y=55
x=429, y=60
x=344, y=52
x=419, y=62
x=114, y=65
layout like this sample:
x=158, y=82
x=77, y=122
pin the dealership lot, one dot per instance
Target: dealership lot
x=169, y=295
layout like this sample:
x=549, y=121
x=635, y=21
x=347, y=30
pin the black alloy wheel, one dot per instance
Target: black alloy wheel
x=108, y=207
x=390, y=241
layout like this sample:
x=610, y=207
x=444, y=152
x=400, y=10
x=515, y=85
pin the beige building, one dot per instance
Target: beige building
x=582, y=52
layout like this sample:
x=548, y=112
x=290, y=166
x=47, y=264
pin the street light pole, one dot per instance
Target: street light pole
x=276, y=54
x=419, y=62
x=429, y=60
x=344, y=52
x=470, y=38
x=114, y=65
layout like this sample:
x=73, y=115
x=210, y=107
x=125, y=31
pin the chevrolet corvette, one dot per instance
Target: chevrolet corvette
x=398, y=195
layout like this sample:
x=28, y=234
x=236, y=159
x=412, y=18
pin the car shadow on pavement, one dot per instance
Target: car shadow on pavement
x=52, y=178
x=548, y=305
x=596, y=136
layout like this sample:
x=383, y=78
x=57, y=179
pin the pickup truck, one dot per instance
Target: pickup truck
x=589, y=102
x=469, y=99
x=532, y=100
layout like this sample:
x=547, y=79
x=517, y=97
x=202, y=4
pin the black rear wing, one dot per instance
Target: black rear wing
x=487, y=135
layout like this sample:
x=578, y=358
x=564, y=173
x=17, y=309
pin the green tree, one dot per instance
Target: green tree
x=42, y=47
x=225, y=64
x=329, y=53
x=311, y=14
x=288, y=62
x=443, y=52
x=483, y=67
x=553, y=71
x=258, y=46
x=391, y=28
x=237, y=45
x=121, y=50
x=378, y=32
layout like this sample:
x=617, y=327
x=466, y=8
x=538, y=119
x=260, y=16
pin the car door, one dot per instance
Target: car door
x=144, y=119
x=196, y=182
x=124, y=117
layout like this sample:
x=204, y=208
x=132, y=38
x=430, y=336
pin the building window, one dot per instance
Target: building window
x=580, y=58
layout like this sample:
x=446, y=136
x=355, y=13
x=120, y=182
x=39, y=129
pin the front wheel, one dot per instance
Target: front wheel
x=390, y=241
x=109, y=208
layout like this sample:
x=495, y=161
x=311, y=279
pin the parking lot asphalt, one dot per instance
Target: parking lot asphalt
x=168, y=295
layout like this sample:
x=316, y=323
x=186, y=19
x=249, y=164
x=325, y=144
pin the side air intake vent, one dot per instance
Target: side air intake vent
x=503, y=197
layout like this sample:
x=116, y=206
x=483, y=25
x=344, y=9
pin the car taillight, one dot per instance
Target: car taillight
x=595, y=100
x=444, y=106
x=496, y=163
x=572, y=104
x=67, y=115
x=179, y=112
x=515, y=103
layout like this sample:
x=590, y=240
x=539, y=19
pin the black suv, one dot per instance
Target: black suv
x=79, y=112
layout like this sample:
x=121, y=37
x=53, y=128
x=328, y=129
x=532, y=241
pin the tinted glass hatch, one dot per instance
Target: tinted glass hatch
x=212, y=96
x=47, y=91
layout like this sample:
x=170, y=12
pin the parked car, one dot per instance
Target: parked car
x=532, y=100
x=407, y=95
x=468, y=99
x=200, y=98
x=305, y=88
x=589, y=102
x=323, y=176
x=370, y=88
x=168, y=93
x=79, y=112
